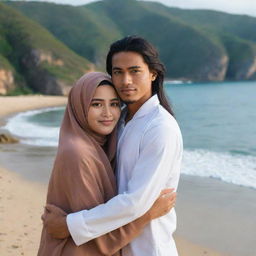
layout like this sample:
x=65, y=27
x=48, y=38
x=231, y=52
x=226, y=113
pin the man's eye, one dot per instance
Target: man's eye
x=117, y=72
x=135, y=71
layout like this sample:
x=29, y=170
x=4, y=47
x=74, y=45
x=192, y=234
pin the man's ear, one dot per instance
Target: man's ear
x=154, y=75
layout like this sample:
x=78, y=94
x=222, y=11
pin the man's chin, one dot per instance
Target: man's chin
x=127, y=102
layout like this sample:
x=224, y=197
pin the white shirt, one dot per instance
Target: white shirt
x=149, y=156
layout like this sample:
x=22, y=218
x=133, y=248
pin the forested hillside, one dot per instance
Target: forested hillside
x=32, y=59
x=196, y=45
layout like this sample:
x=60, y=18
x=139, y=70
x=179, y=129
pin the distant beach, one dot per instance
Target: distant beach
x=214, y=218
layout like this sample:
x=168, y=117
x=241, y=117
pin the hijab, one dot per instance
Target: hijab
x=82, y=175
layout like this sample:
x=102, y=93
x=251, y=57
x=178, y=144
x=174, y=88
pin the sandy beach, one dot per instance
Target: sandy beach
x=214, y=218
x=13, y=104
x=21, y=199
x=21, y=207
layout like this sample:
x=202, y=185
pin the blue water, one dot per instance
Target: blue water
x=217, y=120
x=216, y=116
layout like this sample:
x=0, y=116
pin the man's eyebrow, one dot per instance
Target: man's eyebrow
x=132, y=67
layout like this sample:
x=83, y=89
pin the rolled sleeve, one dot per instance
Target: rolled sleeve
x=77, y=227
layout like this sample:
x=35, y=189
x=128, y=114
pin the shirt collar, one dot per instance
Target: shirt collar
x=146, y=108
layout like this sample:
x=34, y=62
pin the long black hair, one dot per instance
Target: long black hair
x=150, y=56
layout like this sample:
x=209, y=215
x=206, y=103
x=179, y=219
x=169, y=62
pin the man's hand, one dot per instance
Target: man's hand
x=54, y=220
x=164, y=203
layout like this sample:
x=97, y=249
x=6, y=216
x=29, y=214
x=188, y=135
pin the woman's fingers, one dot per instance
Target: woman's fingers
x=43, y=217
x=52, y=208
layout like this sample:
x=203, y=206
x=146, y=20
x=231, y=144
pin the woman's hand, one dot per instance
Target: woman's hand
x=162, y=205
x=54, y=220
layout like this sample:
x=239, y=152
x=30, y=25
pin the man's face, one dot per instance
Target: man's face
x=132, y=77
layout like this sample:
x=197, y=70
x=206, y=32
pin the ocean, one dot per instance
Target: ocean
x=217, y=120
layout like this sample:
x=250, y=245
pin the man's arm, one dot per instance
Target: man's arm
x=55, y=223
x=156, y=164
x=115, y=240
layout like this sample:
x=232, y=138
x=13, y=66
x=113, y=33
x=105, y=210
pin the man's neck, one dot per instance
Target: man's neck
x=132, y=109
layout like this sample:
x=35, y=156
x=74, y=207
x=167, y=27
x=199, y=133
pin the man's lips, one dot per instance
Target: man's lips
x=127, y=90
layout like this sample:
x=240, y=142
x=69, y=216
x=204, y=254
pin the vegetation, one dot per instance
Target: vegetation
x=86, y=32
x=29, y=49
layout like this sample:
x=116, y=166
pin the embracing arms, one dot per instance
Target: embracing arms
x=55, y=223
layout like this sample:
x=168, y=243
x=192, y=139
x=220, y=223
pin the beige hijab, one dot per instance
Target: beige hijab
x=82, y=176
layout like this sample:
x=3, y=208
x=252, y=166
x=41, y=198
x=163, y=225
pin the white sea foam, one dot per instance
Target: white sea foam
x=231, y=168
x=31, y=133
x=177, y=82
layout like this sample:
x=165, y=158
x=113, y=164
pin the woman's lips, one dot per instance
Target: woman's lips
x=106, y=122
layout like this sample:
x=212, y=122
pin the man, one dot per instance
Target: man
x=149, y=153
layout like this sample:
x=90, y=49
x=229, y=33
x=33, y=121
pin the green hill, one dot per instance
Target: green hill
x=195, y=45
x=186, y=52
x=183, y=58
x=235, y=32
x=34, y=58
x=86, y=32
x=242, y=26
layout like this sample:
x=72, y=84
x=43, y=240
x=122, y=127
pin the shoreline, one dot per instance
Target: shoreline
x=14, y=104
x=201, y=205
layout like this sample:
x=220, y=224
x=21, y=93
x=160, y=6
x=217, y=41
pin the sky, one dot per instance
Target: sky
x=232, y=6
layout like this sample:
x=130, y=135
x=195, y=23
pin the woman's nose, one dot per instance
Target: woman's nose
x=107, y=111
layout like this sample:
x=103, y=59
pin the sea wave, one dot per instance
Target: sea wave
x=31, y=133
x=177, y=81
x=232, y=168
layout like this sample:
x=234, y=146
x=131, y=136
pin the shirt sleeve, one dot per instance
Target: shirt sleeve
x=160, y=153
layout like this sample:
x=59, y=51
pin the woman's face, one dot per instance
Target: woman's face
x=104, y=110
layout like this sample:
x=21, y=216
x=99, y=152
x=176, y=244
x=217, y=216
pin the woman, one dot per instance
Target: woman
x=82, y=175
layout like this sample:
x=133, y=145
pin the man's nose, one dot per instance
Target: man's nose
x=127, y=79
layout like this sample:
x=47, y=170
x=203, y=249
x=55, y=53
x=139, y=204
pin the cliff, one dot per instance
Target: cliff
x=32, y=59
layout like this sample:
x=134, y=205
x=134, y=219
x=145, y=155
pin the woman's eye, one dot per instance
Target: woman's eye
x=95, y=104
x=115, y=104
